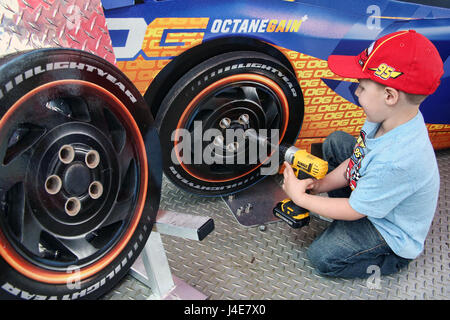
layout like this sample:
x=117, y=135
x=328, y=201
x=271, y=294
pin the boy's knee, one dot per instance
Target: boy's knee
x=336, y=136
x=320, y=260
x=334, y=140
x=337, y=147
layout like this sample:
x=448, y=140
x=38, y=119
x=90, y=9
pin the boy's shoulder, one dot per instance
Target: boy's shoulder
x=405, y=146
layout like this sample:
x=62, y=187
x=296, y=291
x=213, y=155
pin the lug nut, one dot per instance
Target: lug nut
x=225, y=123
x=232, y=147
x=73, y=206
x=218, y=141
x=53, y=184
x=92, y=159
x=66, y=154
x=95, y=190
x=244, y=119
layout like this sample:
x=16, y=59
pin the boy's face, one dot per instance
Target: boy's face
x=371, y=98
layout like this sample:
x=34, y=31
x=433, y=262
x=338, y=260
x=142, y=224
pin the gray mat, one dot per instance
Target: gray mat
x=236, y=262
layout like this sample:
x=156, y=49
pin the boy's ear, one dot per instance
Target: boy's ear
x=391, y=96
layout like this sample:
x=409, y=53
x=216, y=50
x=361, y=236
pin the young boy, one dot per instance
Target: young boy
x=383, y=218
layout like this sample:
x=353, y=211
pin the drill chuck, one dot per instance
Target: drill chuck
x=299, y=159
x=287, y=153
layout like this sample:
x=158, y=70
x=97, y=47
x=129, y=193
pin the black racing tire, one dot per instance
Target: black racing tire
x=80, y=175
x=228, y=86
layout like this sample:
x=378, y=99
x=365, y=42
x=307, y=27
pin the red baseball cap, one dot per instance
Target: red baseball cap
x=404, y=60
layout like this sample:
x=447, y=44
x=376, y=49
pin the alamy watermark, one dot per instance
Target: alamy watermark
x=74, y=280
x=226, y=147
x=374, y=20
x=374, y=280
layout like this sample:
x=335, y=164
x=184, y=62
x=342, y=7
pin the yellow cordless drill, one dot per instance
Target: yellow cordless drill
x=305, y=165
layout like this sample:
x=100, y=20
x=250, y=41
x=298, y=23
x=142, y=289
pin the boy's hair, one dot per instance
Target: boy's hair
x=415, y=98
x=410, y=97
x=404, y=60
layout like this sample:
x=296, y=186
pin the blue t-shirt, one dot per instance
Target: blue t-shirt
x=395, y=182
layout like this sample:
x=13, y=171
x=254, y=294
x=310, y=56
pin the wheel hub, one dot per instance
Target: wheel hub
x=77, y=179
x=232, y=109
x=75, y=156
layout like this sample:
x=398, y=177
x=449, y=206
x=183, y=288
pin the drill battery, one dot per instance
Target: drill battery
x=291, y=213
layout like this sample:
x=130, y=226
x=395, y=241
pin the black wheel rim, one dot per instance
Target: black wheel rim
x=43, y=227
x=253, y=101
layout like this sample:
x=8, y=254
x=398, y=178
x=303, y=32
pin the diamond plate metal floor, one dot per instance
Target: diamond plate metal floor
x=236, y=262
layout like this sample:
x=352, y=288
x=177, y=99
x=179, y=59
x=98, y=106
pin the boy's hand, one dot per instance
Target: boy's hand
x=294, y=187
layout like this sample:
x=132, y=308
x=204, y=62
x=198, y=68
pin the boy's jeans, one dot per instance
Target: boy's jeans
x=350, y=249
